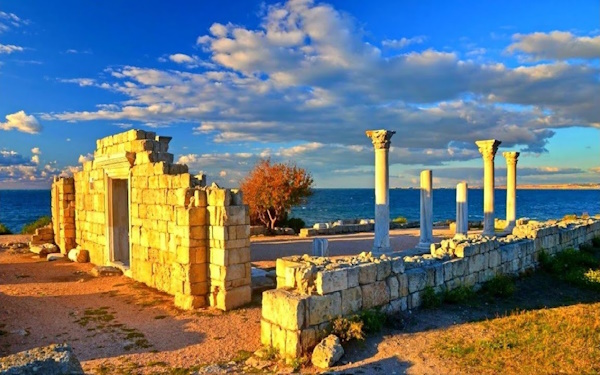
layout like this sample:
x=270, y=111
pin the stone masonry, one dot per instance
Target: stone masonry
x=63, y=213
x=135, y=209
x=312, y=291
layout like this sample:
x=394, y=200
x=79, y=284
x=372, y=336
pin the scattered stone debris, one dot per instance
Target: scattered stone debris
x=79, y=255
x=55, y=359
x=99, y=271
x=55, y=256
x=327, y=352
x=44, y=249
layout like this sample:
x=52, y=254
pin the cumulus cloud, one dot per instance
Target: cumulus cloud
x=10, y=20
x=559, y=45
x=9, y=157
x=22, y=122
x=306, y=77
x=10, y=48
x=36, y=151
x=403, y=42
x=83, y=158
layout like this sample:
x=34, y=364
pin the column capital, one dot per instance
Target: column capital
x=511, y=157
x=380, y=138
x=488, y=148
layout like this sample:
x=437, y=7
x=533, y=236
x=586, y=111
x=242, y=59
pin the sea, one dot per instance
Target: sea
x=19, y=207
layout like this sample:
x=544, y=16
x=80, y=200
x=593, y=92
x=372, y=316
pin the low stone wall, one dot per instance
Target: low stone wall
x=336, y=229
x=313, y=291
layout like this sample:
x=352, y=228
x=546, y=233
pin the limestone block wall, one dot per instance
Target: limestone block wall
x=312, y=291
x=179, y=236
x=63, y=213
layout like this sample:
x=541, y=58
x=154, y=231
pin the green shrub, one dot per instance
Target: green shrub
x=592, y=276
x=39, y=223
x=348, y=328
x=295, y=223
x=500, y=286
x=458, y=295
x=576, y=267
x=570, y=217
x=400, y=220
x=430, y=299
x=4, y=229
x=596, y=242
x=373, y=320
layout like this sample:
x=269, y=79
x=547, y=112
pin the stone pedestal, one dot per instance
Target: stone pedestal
x=462, y=211
x=320, y=247
x=511, y=189
x=381, y=143
x=426, y=227
x=488, y=149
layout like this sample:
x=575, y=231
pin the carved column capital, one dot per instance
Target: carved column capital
x=488, y=148
x=511, y=157
x=380, y=138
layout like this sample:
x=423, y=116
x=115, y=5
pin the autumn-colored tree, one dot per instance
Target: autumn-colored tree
x=272, y=189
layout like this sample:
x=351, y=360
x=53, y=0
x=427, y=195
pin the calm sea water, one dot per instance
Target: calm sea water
x=18, y=207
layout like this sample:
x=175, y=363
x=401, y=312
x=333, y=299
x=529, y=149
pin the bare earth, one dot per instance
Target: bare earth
x=114, y=323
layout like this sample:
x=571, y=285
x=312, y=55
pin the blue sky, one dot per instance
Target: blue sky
x=301, y=81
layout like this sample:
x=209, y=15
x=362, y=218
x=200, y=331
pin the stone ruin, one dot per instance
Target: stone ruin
x=133, y=208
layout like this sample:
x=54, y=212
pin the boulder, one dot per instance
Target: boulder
x=327, y=352
x=50, y=360
x=54, y=256
x=106, y=271
x=78, y=255
x=44, y=249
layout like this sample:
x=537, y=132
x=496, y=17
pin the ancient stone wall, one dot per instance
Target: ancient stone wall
x=63, y=213
x=313, y=291
x=172, y=233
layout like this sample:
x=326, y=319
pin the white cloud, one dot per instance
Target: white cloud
x=306, y=77
x=20, y=121
x=10, y=48
x=83, y=82
x=35, y=159
x=36, y=151
x=559, y=45
x=83, y=158
x=403, y=42
x=9, y=21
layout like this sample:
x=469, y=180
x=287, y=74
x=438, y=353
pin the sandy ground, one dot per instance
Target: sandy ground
x=116, y=323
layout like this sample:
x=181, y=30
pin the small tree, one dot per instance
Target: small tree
x=270, y=190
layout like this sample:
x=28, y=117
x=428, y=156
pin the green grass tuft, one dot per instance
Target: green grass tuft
x=500, y=286
x=430, y=299
x=4, y=229
x=39, y=223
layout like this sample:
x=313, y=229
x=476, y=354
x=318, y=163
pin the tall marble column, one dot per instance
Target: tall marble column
x=511, y=189
x=426, y=228
x=462, y=211
x=488, y=149
x=381, y=143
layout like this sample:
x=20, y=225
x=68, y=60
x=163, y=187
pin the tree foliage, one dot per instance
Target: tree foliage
x=272, y=189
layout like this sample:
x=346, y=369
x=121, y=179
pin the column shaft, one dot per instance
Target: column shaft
x=488, y=150
x=426, y=228
x=462, y=211
x=511, y=189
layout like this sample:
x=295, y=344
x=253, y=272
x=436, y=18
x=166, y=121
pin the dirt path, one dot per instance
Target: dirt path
x=112, y=320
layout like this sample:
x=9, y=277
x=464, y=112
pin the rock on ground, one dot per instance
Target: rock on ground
x=43, y=250
x=106, y=271
x=56, y=359
x=327, y=352
x=78, y=255
x=55, y=256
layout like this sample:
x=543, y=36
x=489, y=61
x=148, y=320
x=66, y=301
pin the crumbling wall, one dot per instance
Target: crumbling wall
x=177, y=227
x=63, y=213
x=313, y=291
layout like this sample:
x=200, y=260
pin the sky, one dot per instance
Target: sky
x=301, y=81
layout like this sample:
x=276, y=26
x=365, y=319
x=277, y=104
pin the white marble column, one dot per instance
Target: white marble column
x=488, y=150
x=462, y=211
x=511, y=189
x=426, y=227
x=381, y=143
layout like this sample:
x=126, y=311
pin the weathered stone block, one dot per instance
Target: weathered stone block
x=329, y=281
x=398, y=265
x=367, y=273
x=265, y=333
x=188, y=302
x=353, y=276
x=285, y=308
x=324, y=308
x=402, y=285
x=351, y=300
x=384, y=269
x=392, y=283
x=230, y=299
x=375, y=294
x=417, y=279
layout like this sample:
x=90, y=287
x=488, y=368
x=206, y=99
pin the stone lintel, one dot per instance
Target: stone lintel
x=380, y=138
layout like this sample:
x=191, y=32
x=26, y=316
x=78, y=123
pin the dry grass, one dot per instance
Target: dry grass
x=562, y=340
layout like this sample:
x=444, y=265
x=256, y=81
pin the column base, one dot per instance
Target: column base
x=381, y=250
x=488, y=233
x=424, y=245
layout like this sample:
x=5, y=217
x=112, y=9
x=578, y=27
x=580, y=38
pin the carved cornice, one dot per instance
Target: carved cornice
x=380, y=138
